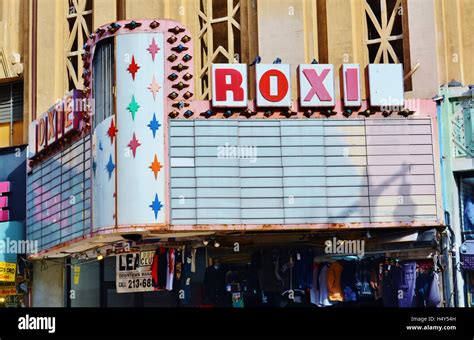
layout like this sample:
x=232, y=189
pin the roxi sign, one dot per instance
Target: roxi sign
x=58, y=121
x=316, y=85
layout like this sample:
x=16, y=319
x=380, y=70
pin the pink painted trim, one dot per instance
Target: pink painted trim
x=3, y=202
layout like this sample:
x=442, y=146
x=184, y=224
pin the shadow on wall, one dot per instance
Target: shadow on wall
x=404, y=211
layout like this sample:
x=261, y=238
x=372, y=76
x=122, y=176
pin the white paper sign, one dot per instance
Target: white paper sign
x=134, y=272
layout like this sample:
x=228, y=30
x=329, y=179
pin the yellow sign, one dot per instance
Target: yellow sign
x=7, y=288
x=7, y=271
x=77, y=274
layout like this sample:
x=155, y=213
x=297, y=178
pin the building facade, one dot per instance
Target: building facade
x=362, y=172
x=455, y=105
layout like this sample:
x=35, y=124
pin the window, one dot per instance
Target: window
x=79, y=18
x=219, y=37
x=11, y=111
x=466, y=200
x=387, y=37
x=11, y=102
x=103, y=80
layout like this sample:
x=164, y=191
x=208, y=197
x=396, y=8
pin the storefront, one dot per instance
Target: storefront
x=163, y=200
x=399, y=268
x=15, y=274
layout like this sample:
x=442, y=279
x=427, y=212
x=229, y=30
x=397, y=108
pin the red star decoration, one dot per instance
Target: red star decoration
x=134, y=144
x=112, y=131
x=155, y=166
x=133, y=67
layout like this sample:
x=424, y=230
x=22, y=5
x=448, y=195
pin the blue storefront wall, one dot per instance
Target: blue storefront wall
x=11, y=231
x=13, y=170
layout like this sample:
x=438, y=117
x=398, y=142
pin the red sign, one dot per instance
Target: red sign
x=55, y=123
x=316, y=85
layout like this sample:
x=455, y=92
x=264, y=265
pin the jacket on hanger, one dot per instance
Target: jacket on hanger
x=334, y=282
x=348, y=280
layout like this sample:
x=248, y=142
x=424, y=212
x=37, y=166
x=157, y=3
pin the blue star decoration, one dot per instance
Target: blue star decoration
x=154, y=125
x=110, y=167
x=156, y=206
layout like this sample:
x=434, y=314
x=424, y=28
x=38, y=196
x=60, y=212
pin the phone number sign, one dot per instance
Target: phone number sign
x=134, y=272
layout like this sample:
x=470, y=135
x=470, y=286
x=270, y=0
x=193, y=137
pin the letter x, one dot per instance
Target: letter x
x=317, y=86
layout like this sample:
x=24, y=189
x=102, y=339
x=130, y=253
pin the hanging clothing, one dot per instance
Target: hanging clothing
x=406, y=283
x=250, y=287
x=214, y=285
x=323, y=286
x=314, y=292
x=390, y=285
x=185, y=282
x=334, y=282
x=303, y=269
x=363, y=278
x=170, y=269
x=178, y=270
x=348, y=280
x=287, y=272
x=376, y=276
x=427, y=290
x=193, y=260
x=159, y=268
x=269, y=273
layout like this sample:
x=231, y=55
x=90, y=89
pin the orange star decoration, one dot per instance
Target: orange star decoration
x=155, y=167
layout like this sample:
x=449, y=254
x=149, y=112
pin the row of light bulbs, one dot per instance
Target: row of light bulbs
x=216, y=244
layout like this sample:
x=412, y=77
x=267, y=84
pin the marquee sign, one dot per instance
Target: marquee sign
x=59, y=120
x=316, y=85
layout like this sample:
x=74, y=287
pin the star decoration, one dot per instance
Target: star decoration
x=110, y=167
x=156, y=206
x=155, y=166
x=133, y=145
x=153, y=49
x=133, y=67
x=154, y=87
x=154, y=125
x=133, y=107
x=112, y=131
